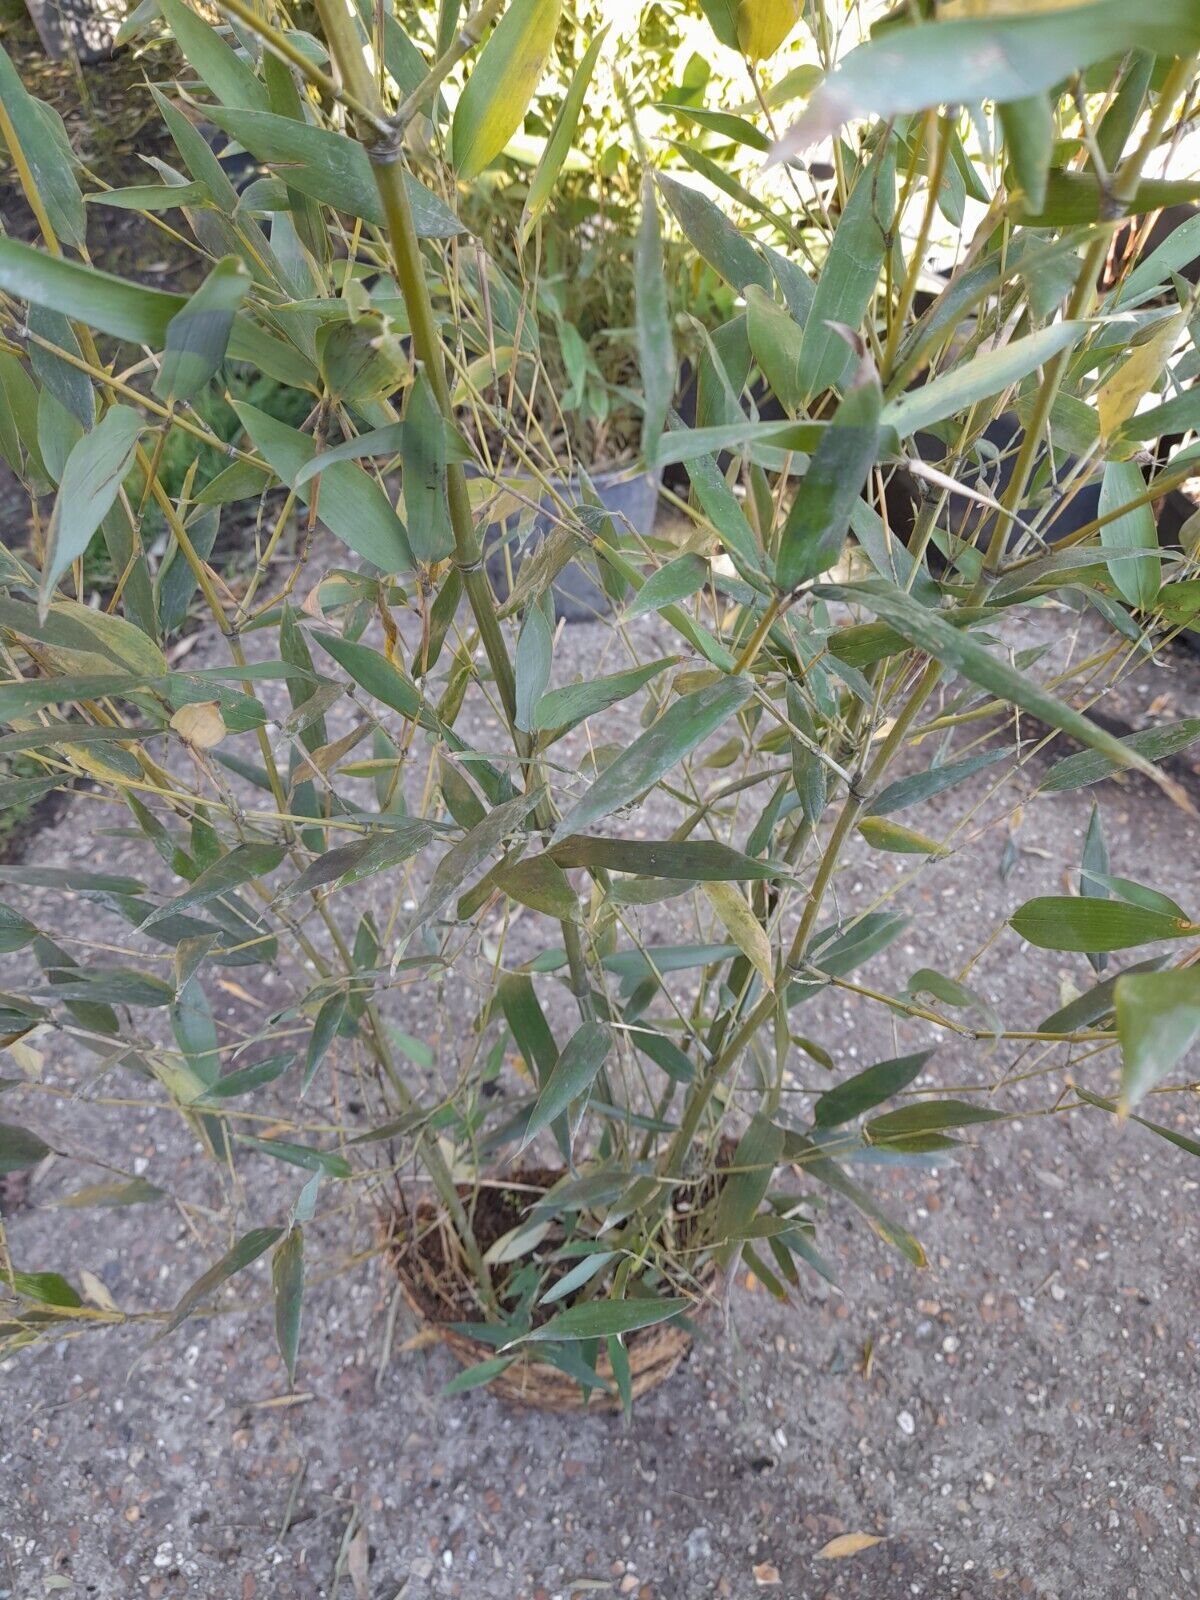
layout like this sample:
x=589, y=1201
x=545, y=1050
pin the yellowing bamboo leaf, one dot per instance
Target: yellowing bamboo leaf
x=1117, y=399
x=497, y=93
x=847, y=1544
x=201, y=725
x=743, y=927
x=763, y=25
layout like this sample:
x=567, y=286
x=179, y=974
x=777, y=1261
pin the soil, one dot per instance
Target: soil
x=1017, y=1419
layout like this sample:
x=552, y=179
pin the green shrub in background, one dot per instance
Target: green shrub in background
x=378, y=718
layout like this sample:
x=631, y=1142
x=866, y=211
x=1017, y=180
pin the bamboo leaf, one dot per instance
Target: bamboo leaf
x=846, y=285
x=562, y=134
x=868, y=1089
x=287, y=1282
x=651, y=756
x=675, y=581
x=962, y=386
x=1153, y=744
x=247, y=1249
x=598, y=1319
x=331, y=168
x=1158, y=1021
x=39, y=131
x=584, y=1053
x=691, y=860
x=424, y=453
x=819, y=518
x=19, y=1148
x=1065, y=922
x=567, y=707
x=1028, y=126
x=1001, y=58
x=1138, y=581
x=351, y=504
x=930, y=631
x=714, y=236
x=94, y=472
x=743, y=927
x=220, y=68
x=501, y=84
x=198, y=335
x=656, y=351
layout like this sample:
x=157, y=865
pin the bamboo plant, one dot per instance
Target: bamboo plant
x=382, y=791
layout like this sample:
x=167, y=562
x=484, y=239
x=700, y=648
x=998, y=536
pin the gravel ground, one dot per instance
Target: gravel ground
x=1018, y=1419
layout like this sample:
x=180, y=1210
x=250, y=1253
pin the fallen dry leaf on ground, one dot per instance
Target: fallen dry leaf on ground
x=847, y=1544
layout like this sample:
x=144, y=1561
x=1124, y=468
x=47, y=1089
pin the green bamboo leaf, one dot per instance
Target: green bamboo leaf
x=583, y=1272
x=933, y=633
x=476, y=1376
x=777, y=341
x=1089, y=766
x=714, y=236
x=331, y=168
x=868, y=1089
x=324, y=1030
x=881, y=834
x=132, y=311
x=1137, y=581
x=1078, y=199
x=19, y=1148
x=962, y=386
x=469, y=854
x=94, y=472
x=677, y=580
x=819, y=518
x=758, y=1153
x=1000, y=58
x=1158, y=1021
x=39, y=132
x=527, y=1021
x=540, y=883
x=558, y=145
x=152, y=196
x=243, y=863
x=1178, y=249
x=584, y=1053
x=651, y=756
x=532, y=662
x=245, y=1080
x=502, y=82
x=198, y=335
x=692, y=860
x=724, y=123
x=928, y=1116
x=846, y=285
x=1067, y=922
x=220, y=68
x=1171, y=1135
x=598, y=1319
x=287, y=1283
x=565, y=708
x=425, y=458
x=247, y=1249
x=1028, y=126
x=328, y=1162
x=351, y=504
x=351, y=863
x=923, y=785
x=656, y=351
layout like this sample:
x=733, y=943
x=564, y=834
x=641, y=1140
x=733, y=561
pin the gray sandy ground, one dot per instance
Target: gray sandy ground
x=1018, y=1419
